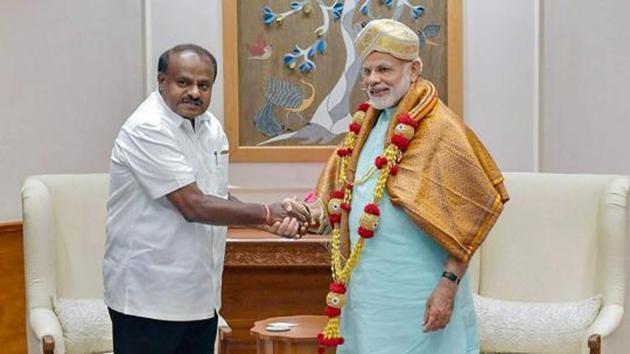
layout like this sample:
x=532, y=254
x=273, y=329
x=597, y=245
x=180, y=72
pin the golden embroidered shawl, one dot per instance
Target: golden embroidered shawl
x=448, y=183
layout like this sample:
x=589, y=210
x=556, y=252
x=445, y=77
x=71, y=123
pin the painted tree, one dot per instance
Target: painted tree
x=332, y=116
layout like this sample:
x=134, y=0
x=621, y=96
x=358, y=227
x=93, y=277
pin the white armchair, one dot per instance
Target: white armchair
x=561, y=239
x=64, y=239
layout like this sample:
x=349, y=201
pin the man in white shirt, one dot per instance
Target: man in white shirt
x=167, y=214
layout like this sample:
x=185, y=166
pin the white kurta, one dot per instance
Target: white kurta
x=157, y=265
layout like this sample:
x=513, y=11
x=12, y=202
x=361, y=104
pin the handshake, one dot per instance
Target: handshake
x=289, y=218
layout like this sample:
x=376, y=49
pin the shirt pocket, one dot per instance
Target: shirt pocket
x=220, y=171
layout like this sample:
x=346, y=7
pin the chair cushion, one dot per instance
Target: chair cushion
x=534, y=327
x=86, y=325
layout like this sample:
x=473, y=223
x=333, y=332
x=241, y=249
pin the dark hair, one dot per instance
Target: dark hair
x=165, y=57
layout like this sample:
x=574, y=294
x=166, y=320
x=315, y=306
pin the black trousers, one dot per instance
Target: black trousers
x=139, y=335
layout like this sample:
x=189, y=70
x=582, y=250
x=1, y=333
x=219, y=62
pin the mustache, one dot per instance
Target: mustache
x=192, y=100
x=379, y=86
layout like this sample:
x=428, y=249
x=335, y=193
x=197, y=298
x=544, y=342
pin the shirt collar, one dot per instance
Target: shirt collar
x=389, y=112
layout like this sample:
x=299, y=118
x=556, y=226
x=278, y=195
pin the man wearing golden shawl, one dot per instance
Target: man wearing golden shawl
x=409, y=196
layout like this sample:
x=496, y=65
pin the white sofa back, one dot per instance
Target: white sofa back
x=561, y=238
x=68, y=265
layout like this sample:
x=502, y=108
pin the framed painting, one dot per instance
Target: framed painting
x=292, y=77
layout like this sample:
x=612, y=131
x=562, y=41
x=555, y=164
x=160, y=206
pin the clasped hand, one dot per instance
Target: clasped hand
x=289, y=218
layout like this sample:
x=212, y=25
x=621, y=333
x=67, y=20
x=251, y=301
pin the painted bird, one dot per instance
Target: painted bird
x=426, y=35
x=287, y=96
x=259, y=50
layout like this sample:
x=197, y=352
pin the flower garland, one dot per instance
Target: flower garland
x=387, y=164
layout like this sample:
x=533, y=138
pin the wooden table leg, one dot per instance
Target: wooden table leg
x=264, y=346
x=595, y=344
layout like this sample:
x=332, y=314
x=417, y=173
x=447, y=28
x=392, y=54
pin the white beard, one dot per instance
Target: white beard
x=394, y=94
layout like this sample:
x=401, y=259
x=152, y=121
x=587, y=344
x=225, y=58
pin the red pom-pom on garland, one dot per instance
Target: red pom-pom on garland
x=337, y=194
x=337, y=288
x=332, y=311
x=405, y=118
x=380, y=162
x=363, y=107
x=329, y=342
x=400, y=141
x=365, y=233
x=392, y=171
x=372, y=208
x=334, y=218
x=355, y=127
x=345, y=206
x=344, y=152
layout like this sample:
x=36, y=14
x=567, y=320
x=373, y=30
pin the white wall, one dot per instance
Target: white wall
x=585, y=86
x=501, y=78
x=70, y=72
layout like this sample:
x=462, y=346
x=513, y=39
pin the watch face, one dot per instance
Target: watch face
x=451, y=276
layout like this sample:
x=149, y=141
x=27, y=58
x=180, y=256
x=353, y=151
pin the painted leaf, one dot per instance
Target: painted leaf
x=321, y=46
x=268, y=15
x=365, y=8
x=417, y=12
x=337, y=10
x=307, y=67
x=288, y=59
x=431, y=30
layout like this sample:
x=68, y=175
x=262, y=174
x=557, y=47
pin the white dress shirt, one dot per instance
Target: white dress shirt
x=157, y=265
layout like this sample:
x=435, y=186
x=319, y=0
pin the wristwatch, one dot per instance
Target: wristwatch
x=452, y=277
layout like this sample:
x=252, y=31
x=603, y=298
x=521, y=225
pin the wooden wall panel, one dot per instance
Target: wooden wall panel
x=12, y=296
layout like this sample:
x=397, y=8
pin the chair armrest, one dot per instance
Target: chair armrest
x=606, y=321
x=44, y=322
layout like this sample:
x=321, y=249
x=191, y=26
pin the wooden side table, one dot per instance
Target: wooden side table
x=301, y=339
x=268, y=276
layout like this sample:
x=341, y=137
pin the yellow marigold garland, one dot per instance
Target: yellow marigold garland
x=387, y=164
